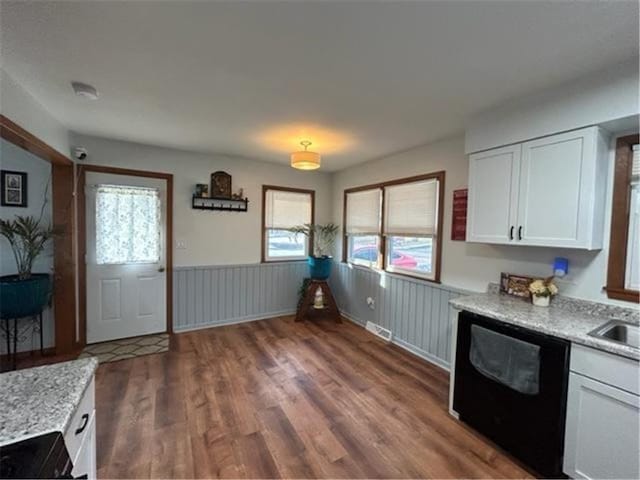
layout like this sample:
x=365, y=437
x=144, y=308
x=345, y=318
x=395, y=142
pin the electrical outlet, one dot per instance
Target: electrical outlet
x=181, y=245
x=371, y=303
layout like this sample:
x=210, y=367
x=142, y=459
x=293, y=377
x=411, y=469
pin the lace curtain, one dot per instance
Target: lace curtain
x=127, y=225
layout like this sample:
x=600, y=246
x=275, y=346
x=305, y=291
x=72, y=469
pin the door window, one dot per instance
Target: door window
x=127, y=225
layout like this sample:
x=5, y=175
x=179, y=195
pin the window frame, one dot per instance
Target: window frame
x=264, y=258
x=382, y=238
x=619, y=234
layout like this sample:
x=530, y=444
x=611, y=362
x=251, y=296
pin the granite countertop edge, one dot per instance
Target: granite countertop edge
x=32, y=412
x=575, y=326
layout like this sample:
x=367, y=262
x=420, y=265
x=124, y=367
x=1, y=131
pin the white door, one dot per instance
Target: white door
x=126, y=255
x=556, y=179
x=493, y=195
x=602, y=431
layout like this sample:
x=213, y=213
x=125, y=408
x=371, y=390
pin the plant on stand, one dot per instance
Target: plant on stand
x=25, y=293
x=323, y=237
x=542, y=290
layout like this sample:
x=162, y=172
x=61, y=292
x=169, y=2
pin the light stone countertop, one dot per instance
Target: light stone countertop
x=568, y=320
x=40, y=400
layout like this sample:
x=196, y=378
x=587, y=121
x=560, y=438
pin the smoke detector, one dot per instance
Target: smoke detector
x=85, y=90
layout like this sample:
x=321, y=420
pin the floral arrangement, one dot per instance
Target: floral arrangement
x=543, y=287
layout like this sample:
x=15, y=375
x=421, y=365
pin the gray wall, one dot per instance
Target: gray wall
x=219, y=295
x=417, y=312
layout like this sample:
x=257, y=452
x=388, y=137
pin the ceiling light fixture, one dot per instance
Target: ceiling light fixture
x=85, y=90
x=304, y=159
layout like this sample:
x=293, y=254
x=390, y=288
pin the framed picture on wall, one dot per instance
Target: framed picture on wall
x=220, y=185
x=14, y=188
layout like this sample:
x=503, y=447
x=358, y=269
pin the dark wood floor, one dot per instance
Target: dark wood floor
x=274, y=399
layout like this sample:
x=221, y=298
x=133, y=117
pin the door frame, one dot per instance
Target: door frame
x=63, y=217
x=82, y=239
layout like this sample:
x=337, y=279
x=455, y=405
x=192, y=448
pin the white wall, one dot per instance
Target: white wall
x=599, y=99
x=471, y=266
x=39, y=176
x=22, y=108
x=211, y=238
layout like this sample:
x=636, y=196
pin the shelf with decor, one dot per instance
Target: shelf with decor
x=220, y=204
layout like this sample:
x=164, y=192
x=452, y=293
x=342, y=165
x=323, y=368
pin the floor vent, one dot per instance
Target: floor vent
x=380, y=331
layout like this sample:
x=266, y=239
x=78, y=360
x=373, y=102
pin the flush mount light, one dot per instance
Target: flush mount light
x=85, y=90
x=304, y=159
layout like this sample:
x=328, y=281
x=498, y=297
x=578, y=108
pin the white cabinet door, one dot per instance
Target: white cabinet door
x=85, y=461
x=602, y=431
x=556, y=192
x=493, y=196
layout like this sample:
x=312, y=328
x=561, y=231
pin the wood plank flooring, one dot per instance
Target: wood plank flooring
x=278, y=399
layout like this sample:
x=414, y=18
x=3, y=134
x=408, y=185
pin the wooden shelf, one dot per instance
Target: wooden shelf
x=220, y=204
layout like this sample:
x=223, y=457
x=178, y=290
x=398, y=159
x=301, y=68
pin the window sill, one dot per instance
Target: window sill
x=415, y=278
x=285, y=260
x=623, y=294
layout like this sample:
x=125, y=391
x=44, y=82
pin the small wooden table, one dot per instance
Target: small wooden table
x=330, y=306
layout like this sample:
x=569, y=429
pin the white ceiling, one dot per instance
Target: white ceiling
x=252, y=78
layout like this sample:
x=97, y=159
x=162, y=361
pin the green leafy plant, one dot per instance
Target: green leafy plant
x=323, y=236
x=27, y=238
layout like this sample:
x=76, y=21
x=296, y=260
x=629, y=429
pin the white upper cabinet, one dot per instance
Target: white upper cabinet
x=493, y=186
x=549, y=191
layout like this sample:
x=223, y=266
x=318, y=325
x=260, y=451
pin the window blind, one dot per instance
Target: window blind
x=410, y=208
x=363, y=212
x=284, y=209
x=635, y=166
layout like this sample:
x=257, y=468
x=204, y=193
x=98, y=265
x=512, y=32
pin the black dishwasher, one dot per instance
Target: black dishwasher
x=511, y=386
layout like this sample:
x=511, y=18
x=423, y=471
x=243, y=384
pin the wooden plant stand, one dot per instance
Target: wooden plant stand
x=330, y=306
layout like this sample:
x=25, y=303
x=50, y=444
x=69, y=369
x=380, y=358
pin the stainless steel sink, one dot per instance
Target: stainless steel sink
x=620, y=332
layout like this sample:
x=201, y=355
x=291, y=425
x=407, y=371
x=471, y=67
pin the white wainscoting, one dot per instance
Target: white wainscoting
x=417, y=312
x=221, y=295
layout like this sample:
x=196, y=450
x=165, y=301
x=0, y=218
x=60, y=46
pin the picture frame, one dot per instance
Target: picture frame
x=515, y=285
x=13, y=186
x=220, y=185
x=202, y=190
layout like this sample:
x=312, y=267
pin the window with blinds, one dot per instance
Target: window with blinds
x=411, y=227
x=362, y=227
x=394, y=226
x=284, y=209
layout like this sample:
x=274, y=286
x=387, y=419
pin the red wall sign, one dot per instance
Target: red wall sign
x=459, y=216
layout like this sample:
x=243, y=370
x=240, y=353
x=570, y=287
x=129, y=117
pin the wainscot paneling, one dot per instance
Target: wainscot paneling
x=417, y=312
x=218, y=295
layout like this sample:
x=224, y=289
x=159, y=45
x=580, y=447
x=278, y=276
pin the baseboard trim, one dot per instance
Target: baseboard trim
x=405, y=346
x=233, y=321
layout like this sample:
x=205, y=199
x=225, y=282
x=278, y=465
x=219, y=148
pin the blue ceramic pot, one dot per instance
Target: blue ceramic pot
x=24, y=298
x=320, y=267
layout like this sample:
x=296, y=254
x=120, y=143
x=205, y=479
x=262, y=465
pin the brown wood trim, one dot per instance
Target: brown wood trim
x=620, y=221
x=440, y=176
x=63, y=219
x=82, y=238
x=14, y=133
x=263, y=233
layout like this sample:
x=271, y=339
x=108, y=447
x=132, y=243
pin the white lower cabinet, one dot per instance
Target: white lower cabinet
x=84, y=464
x=603, y=428
x=80, y=436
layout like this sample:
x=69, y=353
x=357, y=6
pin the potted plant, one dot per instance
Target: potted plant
x=25, y=293
x=323, y=237
x=542, y=290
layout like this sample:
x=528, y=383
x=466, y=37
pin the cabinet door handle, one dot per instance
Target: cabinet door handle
x=520, y=232
x=85, y=420
x=511, y=233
